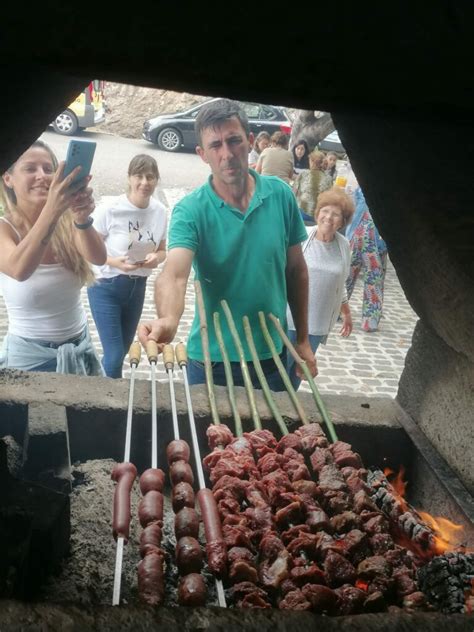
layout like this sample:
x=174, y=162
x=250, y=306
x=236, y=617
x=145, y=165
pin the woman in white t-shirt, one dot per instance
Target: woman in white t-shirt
x=133, y=226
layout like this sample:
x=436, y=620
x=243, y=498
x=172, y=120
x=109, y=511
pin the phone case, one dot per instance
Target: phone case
x=79, y=153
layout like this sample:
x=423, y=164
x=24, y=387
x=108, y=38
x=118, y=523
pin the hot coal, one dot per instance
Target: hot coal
x=448, y=580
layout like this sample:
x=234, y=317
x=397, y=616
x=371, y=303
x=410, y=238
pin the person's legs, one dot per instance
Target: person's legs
x=105, y=304
x=373, y=282
x=356, y=262
x=133, y=297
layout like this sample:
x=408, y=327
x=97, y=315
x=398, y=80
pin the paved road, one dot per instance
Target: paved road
x=364, y=364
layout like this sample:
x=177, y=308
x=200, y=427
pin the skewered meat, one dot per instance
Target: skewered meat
x=262, y=441
x=150, y=539
x=320, y=458
x=186, y=523
x=331, y=479
x=380, y=543
x=248, y=595
x=294, y=600
x=337, y=502
x=230, y=486
x=124, y=475
x=355, y=546
x=151, y=580
x=373, y=567
x=323, y=600
x=152, y=479
x=338, y=570
x=181, y=472
x=216, y=549
x=178, y=450
x=275, y=560
x=375, y=602
x=351, y=599
x=242, y=565
x=345, y=521
x=219, y=436
x=303, y=573
x=307, y=487
x=150, y=508
x=192, y=590
x=182, y=495
x=188, y=556
x=291, y=440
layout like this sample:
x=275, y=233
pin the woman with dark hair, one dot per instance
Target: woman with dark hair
x=133, y=226
x=47, y=241
x=301, y=156
x=328, y=257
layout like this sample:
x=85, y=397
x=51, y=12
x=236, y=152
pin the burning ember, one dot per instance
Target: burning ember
x=446, y=533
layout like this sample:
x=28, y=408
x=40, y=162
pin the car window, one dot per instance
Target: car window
x=251, y=109
x=267, y=114
x=194, y=113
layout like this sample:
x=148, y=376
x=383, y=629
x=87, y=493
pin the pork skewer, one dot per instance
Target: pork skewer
x=150, y=508
x=216, y=551
x=124, y=474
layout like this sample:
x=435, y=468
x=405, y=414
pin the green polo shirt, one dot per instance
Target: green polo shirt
x=240, y=258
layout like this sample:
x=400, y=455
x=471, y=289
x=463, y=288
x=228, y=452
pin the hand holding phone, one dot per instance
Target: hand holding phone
x=80, y=153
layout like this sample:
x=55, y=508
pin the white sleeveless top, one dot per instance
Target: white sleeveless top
x=47, y=306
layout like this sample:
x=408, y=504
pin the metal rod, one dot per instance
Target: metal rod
x=181, y=357
x=228, y=376
x=281, y=369
x=243, y=365
x=168, y=360
x=304, y=367
x=152, y=354
x=205, y=351
x=134, y=355
x=263, y=380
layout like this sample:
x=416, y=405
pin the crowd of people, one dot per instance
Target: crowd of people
x=243, y=232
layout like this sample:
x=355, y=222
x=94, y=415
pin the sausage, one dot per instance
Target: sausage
x=216, y=549
x=186, y=523
x=124, y=475
x=152, y=479
x=182, y=495
x=188, y=556
x=180, y=472
x=150, y=539
x=192, y=590
x=178, y=450
x=150, y=509
x=151, y=585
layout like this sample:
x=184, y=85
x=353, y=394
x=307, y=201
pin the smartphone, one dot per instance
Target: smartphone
x=80, y=153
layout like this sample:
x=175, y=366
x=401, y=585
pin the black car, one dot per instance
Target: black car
x=171, y=132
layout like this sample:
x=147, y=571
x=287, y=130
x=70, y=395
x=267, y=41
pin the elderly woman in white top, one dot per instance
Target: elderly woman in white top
x=46, y=242
x=328, y=257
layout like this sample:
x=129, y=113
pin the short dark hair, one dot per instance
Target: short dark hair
x=280, y=139
x=215, y=113
x=143, y=163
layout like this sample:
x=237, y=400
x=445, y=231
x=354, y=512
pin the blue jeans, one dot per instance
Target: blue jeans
x=116, y=306
x=197, y=373
x=291, y=364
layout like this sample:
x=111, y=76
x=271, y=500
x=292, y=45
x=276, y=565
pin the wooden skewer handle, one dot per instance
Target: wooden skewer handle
x=152, y=351
x=168, y=356
x=134, y=353
x=181, y=354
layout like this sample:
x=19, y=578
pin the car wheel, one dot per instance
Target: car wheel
x=66, y=123
x=169, y=139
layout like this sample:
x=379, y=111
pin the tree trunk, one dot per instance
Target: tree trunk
x=311, y=126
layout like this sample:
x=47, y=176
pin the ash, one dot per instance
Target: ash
x=87, y=575
x=448, y=580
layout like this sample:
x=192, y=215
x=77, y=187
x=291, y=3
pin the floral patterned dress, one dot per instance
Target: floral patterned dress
x=369, y=256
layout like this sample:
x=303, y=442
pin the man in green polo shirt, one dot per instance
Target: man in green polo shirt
x=242, y=234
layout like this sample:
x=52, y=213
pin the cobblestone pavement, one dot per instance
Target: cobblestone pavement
x=363, y=364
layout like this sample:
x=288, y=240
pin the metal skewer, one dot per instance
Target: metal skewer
x=182, y=359
x=152, y=355
x=168, y=361
x=134, y=355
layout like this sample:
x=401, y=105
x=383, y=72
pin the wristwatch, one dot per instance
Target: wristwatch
x=87, y=224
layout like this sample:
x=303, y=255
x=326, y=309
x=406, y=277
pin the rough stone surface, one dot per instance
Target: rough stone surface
x=16, y=617
x=437, y=389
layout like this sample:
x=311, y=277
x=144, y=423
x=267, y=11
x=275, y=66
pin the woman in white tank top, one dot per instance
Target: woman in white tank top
x=46, y=242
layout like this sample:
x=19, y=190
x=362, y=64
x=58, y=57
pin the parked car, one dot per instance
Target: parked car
x=87, y=110
x=172, y=132
x=332, y=142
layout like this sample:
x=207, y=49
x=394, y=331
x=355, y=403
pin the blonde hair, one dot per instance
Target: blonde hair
x=62, y=241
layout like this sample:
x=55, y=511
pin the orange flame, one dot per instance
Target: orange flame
x=397, y=481
x=446, y=532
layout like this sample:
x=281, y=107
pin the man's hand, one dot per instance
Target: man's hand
x=151, y=260
x=161, y=330
x=306, y=354
x=123, y=263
